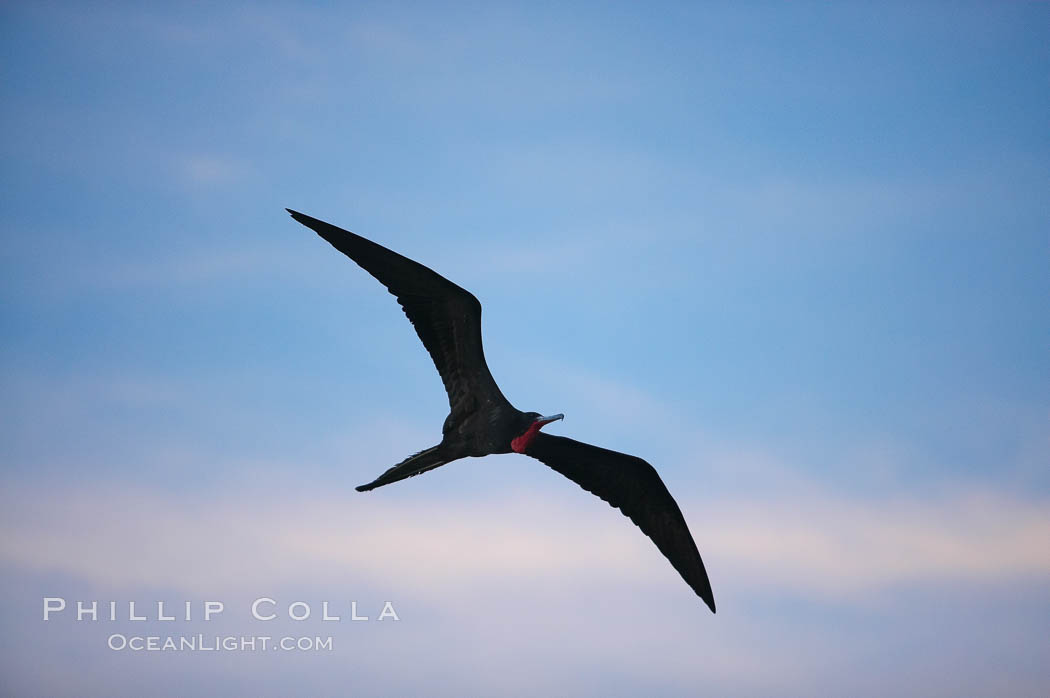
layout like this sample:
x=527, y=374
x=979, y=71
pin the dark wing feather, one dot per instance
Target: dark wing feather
x=447, y=318
x=634, y=487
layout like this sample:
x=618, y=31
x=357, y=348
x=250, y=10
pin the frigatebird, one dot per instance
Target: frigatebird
x=481, y=420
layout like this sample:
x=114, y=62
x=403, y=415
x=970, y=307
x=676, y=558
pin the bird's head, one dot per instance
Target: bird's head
x=531, y=425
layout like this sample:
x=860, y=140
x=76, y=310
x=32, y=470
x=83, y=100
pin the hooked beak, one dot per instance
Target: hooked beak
x=547, y=420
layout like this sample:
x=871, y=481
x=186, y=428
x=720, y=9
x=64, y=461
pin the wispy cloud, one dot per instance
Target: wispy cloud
x=826, y=545
x=60, y=268
x=208, y=169
x=815, y=547
x=529, y=580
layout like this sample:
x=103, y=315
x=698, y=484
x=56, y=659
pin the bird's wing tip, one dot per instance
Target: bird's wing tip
x=308, y=221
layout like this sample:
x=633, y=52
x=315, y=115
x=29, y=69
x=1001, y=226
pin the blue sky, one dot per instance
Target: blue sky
x=793, y=255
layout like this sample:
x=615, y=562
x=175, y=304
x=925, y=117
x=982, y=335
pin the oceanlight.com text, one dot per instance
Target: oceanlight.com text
x=217, y=643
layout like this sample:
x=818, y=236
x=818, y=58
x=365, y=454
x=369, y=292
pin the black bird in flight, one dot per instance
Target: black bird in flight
x=481, y=421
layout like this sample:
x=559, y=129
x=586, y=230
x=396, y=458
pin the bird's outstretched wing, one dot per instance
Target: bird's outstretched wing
x=447, y=318
x=634, y=487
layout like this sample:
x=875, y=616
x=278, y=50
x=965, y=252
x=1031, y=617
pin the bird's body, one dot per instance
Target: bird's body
x=481, y=421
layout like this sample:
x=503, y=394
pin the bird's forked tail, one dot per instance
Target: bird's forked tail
x=413, y=465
